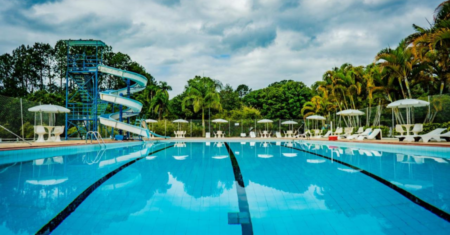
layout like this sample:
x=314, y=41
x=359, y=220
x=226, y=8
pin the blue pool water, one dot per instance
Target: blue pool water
x=225, y=188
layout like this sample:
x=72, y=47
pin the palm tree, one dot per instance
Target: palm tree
x=159, y=103
x=202, y=93
x=400, y=62
x=432, y=45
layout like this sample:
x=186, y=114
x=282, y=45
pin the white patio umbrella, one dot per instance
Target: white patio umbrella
x=50, y=109
x=408, y=104
x=180, y=121
x=266, y=121
x=219, y=121
x=316, y=118
x=292, y=123
x=350, y=113
x=151, y=121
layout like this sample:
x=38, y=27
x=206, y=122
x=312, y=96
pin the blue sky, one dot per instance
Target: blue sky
x=253, y=42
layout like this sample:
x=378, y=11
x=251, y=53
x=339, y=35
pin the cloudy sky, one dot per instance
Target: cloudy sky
x=253, y=42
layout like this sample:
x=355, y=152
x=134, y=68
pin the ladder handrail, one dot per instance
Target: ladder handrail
x=16, y=135
x=97, y=135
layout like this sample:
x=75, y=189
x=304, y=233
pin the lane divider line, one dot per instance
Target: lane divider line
x=247, y=227
x=442, y=214
x=58, y=219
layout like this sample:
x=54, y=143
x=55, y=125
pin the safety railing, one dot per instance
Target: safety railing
x=97, y=136
x=16, y=135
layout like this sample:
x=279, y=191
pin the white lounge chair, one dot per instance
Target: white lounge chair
x=375, y=134
x=432, y=135
x=207, y=135
x=327, y=134
x=252, y=134
x=360, y=130
x=446, y=136
x=57, y=132
x=417, y=128
x=338, y=131
x=317, y=134
x=355, y=136
x=399, y=129
x=40, y=131
x=348, y=131
x=278, y=134
x=243, y=135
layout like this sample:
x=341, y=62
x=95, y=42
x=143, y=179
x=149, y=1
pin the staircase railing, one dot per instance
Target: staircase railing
x=97, y=135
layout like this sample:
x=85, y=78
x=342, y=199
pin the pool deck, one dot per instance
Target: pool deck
x=21, y=145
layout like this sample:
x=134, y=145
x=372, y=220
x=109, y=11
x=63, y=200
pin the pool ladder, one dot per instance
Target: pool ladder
x=97, y=136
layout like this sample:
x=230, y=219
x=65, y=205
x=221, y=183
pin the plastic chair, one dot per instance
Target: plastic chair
x=57, y=132
x=399, y=129
x=417, y=128
x=207, y=135
x=40, y=131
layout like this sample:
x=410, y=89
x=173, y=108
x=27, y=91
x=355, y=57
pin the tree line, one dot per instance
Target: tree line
x=38, y=72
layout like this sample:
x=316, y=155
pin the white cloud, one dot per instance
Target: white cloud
x=254, y=42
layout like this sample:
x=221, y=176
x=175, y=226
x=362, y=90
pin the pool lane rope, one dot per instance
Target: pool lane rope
x=433, y=209
x=58, y=219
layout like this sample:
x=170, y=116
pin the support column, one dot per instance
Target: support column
x=120, y=115
x=128, y=92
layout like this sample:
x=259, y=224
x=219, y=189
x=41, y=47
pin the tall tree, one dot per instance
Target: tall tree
x=202, y=93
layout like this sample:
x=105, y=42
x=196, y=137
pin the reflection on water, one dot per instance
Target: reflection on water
x=33, y=192
x=321, y=194
x=421, y=175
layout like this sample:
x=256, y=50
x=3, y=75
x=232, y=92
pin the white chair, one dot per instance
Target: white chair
x=360, y=130
x=348, y=131
x=432, y=135
x=446, y=136
x=207, y=135
x=252, y=134
x=317, y=134
x=278, y=134
x=365, y=133
x=338, y=131
x=417, y=128
x=184, y=134
x=399, y=129
x=327, y=134
x=57, y=132
x=176, y=134
x=376, y=134
x=243, y=135
x=40, y=131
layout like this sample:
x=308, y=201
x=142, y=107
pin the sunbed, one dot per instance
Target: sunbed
x=432, y=135
x=446, y=136
x=375, y=134
x=365, y=133
x=278, y=134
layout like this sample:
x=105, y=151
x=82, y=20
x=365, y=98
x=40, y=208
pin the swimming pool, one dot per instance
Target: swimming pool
x=226, y=188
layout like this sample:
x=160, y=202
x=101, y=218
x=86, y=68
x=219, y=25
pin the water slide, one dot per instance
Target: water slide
x=133, y=106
